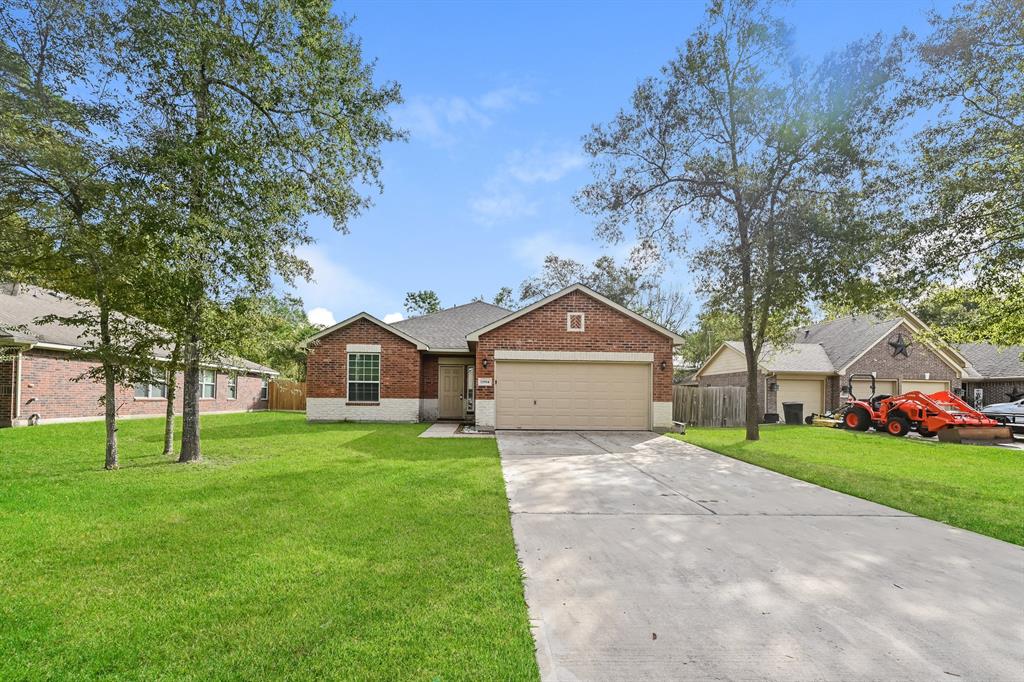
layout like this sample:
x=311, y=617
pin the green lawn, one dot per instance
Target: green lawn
x=296, y=551
x=980, y=488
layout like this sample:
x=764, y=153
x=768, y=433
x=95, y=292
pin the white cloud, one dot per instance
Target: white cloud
x=503, y=197
x=533, y=249
x=538, y=165
x=506, y=98
x=321, y=316
x=501, y=202
x=438, y=119
x=334, y=286
x=393, y=317
x=435, y=118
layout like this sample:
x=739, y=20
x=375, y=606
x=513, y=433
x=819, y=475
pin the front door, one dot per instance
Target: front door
x=453, y=379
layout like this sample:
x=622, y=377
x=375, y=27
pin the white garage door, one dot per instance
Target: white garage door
x=924, y=386
x=862, y=387
x=572, y=395
x=806, y=391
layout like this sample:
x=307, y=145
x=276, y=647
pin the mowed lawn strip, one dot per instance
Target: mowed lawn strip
x=980, y=488
x=297, y=551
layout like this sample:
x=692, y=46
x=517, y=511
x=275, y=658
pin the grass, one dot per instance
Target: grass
x=980, y=488
x=293, y=551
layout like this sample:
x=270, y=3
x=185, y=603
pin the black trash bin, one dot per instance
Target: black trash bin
x=794, y=413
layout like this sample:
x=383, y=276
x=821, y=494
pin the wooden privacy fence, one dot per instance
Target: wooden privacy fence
x=287, y=395
x=709, y=405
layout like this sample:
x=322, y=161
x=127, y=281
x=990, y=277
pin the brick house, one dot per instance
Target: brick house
x=996, y=375
x=38, y=376
x=573, y=360
x=814, y=369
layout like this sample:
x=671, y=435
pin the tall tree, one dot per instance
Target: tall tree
x=422, y=302
x=63, y=196
x=635, y=284
x=964, y=185
x=772, y=156
x=255, y=113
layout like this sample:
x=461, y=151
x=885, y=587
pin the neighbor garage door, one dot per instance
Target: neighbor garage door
x=924, y=386
x=862, y=387
x=810, y=392
x=572, y=395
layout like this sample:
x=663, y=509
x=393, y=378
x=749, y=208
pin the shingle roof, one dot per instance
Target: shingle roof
x=19, y=312
x=847, y=337
x=447, y=329
x=797, y=357
x=991, y=361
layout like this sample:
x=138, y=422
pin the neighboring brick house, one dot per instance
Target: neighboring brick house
x=815, y=368
x=996, y=374
x=572, y=360
x=38, y=375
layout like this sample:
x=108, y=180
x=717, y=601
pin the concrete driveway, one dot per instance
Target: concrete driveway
x=648, y=558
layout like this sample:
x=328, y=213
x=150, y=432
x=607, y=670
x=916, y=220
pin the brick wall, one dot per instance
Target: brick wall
x=7, y=371
x=429, y=377
x=327, y=363
x=49, y=390
x=994, y=391
x=606, y=330
x=922, y=361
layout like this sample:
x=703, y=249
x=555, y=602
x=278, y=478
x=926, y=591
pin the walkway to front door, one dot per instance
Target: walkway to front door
x=648, y=558
x=450, y=393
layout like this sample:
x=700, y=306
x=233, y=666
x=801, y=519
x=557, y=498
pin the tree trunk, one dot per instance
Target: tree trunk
x=109, y=392
x=110, y=416
x=190, y=450
x=753, y=413
x=172, y=390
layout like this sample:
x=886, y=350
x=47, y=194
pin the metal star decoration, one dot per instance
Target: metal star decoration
x=900, y=346
x=1015, y=394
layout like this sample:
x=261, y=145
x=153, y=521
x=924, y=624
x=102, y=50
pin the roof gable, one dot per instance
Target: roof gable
x=475, y=335
x=369, y=318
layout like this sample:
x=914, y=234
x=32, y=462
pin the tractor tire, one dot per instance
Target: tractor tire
x=897, y=426
x=857, y=419
x=925, y=433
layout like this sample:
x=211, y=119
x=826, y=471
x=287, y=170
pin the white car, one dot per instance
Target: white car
x=1011, y=413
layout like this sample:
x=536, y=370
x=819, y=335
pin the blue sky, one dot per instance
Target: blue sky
x=497, y=97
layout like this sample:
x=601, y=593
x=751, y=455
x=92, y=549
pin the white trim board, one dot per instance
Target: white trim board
x=571, y=356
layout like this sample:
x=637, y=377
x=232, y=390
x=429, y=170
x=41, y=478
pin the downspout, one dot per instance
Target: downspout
x=17, y=388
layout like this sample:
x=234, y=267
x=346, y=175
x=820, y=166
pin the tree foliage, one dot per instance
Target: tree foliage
x=775, y=160
x=712, y=329
x=963, y=218
x=635, y=285
x=252, y=114
x=422, y=302
x=66, y=212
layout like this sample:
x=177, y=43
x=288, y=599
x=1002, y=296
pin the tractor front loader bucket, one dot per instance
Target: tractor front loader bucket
x=976, y=434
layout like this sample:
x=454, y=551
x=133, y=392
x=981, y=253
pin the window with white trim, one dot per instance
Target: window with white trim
x=208, y=383
x=364, y=377
x=232, y=386
x=575, y=322
x=157, y=388
x=264, y=388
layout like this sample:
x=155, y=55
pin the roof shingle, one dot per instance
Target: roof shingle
x=447, y=329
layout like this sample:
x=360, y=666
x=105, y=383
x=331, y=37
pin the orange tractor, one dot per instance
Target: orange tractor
x=943, y=414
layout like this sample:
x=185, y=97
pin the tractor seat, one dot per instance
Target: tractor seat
x=876, y=400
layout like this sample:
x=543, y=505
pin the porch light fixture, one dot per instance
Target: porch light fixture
x=485, y=363
x=663, y=365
